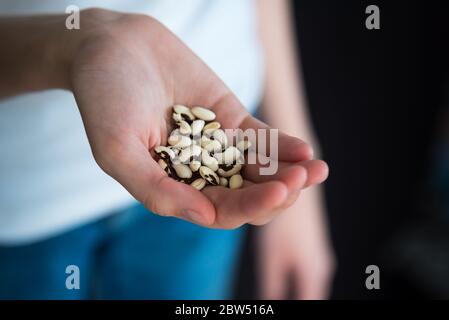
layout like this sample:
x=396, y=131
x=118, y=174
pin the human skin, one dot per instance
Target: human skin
x=294, y=249
x=126, y=71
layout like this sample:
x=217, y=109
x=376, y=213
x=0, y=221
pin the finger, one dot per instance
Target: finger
x=263, y=220
x=137, y=171
x=292, y=174
x=237, y=207
x=288, y=148
x=316, y=172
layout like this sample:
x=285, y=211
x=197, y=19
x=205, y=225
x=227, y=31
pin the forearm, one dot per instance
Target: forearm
x=284, y=104
x=35, y=53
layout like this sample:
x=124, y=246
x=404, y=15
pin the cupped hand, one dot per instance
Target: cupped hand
x=127, y=73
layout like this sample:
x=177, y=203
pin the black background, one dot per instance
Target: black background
x=375, y=97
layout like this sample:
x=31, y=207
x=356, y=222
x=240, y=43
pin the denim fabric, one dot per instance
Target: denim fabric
x=133, y=254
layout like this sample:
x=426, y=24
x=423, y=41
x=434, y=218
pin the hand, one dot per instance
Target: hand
x=295, y=252
x=127, y=73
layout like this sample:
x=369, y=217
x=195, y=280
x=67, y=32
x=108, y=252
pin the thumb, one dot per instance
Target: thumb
x=134, y=168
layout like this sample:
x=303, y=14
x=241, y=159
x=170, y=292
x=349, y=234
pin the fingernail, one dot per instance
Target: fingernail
x=194, y=216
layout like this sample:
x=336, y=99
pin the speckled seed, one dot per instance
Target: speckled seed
x=212, y=146
x=219, y=156
x=162, y=164
x=211, y=127
x=179, y=141
x=185, y=112
x=184, y=128
x=209, y=161
x=165, y=166
x=195, y=165
x=164, y=152
x=191, y=151
x=197, y=127
x=244, y=145
x=204, y=141
x=203, y=113
x=232, y=171
x=236, y=181
x=223, y=182
x=220, y=136
x=199, y=183
x=209, y=176
x=231, y=155
x=177, y=117
x=182, y=171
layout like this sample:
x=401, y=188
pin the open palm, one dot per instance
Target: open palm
x=126, y=77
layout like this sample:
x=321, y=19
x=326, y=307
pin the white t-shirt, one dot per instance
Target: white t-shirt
x=49, y=181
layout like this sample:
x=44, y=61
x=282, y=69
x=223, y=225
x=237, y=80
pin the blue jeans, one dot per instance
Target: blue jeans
x=130, y=255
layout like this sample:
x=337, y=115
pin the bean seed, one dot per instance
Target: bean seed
x=197, y=127
x=185, y=112
x=212, y=146
x=209, y=175
x=204, y=141
x=236, y=181
x=211, y=127
x=199, y=183
x=164, y=152
x=223, y=182
x=191, y=151
x=177, y=117
x=195, y=165
x=179, y=141
x=203, y=113
x=198, y=153
x=209, y=161
x=182, y=171
x=220, y=136
x=231, y=155
x=162, y=164
x=232, y=171
x=184, y=128
x=219, y=156
x=165, y=166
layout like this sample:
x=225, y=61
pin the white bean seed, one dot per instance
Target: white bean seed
x=211, y=127
x=231, y=155
x=209, y=176
x=199, y=183
x=184, y=128
x=223, y=182
x=197, y=127
x=179, y=141
x=203, y=113
x=236, y=182
x=182, y=171
x=230, y=172
x=209, y=161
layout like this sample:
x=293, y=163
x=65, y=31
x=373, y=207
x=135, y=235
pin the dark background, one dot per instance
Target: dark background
x=375, y=97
